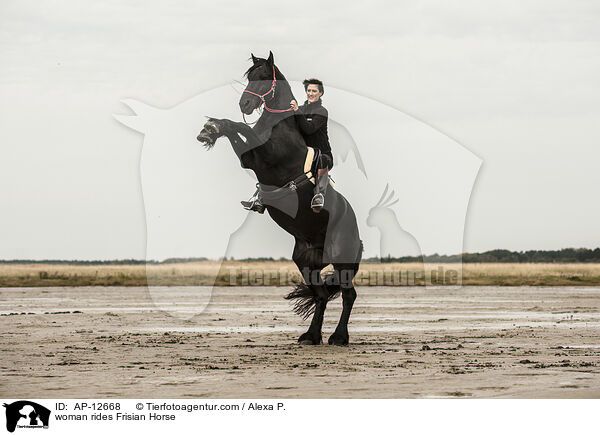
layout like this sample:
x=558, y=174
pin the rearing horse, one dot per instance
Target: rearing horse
x=275, y=150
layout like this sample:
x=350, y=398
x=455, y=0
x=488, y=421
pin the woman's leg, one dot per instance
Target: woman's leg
x=321, y=182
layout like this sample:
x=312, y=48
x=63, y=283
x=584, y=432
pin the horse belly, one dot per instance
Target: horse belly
x=306, y=224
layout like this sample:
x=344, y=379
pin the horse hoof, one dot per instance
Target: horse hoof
x=338, y=340
x=206, y=140
x=307, y=342
x=307, y=339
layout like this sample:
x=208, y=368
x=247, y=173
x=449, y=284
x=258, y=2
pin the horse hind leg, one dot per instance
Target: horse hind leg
x=314, y=333
x=340, y=337
x=312, y=295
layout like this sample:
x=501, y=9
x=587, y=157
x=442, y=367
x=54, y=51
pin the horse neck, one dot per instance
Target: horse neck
x=283, y=94
x=270, y=120
x=281, y=101
x=281, y=157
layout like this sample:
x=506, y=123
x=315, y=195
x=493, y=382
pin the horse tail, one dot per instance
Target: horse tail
x=305, y=296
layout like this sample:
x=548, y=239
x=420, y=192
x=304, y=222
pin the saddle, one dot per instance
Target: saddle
x=284, y=197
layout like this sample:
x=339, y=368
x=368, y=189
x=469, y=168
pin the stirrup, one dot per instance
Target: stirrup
x=254, y=205
x=317, y=202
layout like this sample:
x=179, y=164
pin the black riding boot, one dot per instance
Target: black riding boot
x=254, y=203
x=318, y=201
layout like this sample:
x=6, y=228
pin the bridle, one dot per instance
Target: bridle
x=270, y=91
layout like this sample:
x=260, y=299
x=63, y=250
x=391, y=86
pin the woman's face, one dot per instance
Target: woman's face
x=312, y=93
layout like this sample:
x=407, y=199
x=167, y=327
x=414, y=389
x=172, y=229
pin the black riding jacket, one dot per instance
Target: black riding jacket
x=311, y=118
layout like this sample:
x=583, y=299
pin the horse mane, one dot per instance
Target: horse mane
x=254, y=66
x=260, y=63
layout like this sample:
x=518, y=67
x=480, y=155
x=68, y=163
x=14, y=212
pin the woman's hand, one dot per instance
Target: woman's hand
x=294, y=105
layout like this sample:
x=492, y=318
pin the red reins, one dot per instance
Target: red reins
x=262, y=97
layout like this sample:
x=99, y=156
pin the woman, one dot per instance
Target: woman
x=311, y=119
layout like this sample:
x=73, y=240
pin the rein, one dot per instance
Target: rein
x=262, y=97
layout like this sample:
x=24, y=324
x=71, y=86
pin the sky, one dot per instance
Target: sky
x=514, y=82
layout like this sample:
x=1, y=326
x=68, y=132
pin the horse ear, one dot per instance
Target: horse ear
x=254, y=58
x=270, y=59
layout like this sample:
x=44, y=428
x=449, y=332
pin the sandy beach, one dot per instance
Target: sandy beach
x=409, y=342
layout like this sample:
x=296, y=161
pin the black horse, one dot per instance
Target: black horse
x=275, y=150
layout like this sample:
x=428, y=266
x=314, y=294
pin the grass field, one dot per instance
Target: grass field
x=236, y=273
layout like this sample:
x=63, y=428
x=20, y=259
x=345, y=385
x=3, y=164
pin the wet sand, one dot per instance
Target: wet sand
x=409, y=342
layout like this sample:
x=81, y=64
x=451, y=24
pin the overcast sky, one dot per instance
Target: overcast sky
x=515, y=82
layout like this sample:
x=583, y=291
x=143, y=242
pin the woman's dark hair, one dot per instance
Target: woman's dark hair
x=317, y=82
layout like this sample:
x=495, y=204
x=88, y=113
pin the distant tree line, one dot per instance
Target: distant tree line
x=105, y=262
x=568, y=255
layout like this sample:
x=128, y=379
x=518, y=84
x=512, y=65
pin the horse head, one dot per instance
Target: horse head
x=263, y=80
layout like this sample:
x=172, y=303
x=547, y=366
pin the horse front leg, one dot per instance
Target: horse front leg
x=234, y=131
x=320, y=297
x=210, y=133
x=310, y=296
x=239, y=128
